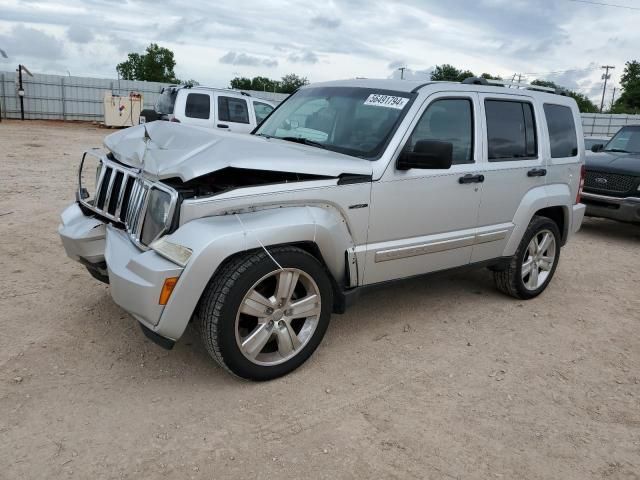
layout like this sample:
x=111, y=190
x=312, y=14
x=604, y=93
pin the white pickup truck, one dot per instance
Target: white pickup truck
x=259, y=238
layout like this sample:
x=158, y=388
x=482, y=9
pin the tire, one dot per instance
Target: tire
x=250, y=315
x=512, y=281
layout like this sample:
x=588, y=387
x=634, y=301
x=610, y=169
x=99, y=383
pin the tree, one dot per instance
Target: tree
x=241, y=83
x=488, y=76
x=584, y=104
x=155, y=65
x=449, y=73
x=264, y=84
x=629, y=100
x=290, y=83
x=191, y=82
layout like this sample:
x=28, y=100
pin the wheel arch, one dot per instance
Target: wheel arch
x=551, y=201
x=320, y=231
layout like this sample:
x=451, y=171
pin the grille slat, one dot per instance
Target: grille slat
x=609, y=182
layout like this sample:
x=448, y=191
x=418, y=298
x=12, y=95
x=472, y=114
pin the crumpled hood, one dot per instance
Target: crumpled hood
x=613, y=162
x=167, y=150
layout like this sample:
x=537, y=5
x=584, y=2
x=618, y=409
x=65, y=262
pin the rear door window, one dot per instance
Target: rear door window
x=511, y=130
x=232, y=109
x=562, y=131
x=198, y=106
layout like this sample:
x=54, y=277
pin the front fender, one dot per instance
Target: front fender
x=536, y=199
x=214, y=239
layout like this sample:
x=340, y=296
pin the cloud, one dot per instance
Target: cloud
x=233, y=58
x=305, y=57
x=79, y=34
x=337, y=39
x=325, y=22
x=396, y=64
x=32, y=43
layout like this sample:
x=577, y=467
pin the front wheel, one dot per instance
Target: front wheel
x=534, y=263
x=261, y=319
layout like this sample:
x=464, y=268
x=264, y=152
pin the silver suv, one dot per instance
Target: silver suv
x=259, y=238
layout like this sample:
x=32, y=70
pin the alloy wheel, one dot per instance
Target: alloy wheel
x=278, y=316
x=539, y=259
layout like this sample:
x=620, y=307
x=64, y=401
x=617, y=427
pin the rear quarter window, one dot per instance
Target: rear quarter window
x=563, y=138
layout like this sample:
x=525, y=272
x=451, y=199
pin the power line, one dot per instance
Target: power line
x=605, y=4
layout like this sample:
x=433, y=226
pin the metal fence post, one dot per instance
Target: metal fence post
x=3, y=104
x=62, y=98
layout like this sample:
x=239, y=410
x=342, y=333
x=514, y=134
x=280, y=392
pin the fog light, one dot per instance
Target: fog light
x=167, y=290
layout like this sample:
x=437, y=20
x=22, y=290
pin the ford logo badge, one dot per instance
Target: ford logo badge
x=601, y=180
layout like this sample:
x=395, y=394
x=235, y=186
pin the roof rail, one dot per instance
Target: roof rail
x=503, y=83
x=245, y=93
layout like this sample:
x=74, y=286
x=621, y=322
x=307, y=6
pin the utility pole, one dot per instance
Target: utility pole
x=21, y=88
x=402, y=69
x=613, y=98
x=21, y=92
x=605, y=77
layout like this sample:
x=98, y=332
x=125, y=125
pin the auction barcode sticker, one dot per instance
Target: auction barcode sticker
x=388, y=101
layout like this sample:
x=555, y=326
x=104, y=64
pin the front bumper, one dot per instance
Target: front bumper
x=621, y=209
x=136, y=277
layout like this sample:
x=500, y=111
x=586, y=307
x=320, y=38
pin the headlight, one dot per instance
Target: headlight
x=157, y=219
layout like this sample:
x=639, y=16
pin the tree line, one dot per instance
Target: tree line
x=157, y=65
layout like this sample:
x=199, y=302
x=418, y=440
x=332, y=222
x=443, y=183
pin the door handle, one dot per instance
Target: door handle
x=468, y=178
x=537, y=172
x=222, y=125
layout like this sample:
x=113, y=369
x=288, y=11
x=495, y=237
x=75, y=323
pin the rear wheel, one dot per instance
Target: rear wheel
x=260, y=321
x=534, y=263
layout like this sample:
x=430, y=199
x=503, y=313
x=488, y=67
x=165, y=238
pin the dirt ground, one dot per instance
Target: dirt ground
x=433, y=378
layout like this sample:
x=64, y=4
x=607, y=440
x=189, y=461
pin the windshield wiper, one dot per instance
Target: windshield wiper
x=303, y=141
x=618, y=150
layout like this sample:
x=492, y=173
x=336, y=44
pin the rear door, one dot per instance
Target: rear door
x=195, y=108
x=233, y=114
x=514, y=163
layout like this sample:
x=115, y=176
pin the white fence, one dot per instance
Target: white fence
x=56, y=97
x=605, y=124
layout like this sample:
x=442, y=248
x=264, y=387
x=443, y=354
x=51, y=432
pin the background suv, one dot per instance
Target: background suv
x=209, y=107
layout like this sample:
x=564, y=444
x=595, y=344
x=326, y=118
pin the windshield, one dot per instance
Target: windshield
x=166, y=100
x=354, y=121
x=627, y=140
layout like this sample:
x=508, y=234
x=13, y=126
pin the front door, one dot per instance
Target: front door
x=425, y=220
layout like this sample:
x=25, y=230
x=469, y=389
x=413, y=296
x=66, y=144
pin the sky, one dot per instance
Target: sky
x=565, y=41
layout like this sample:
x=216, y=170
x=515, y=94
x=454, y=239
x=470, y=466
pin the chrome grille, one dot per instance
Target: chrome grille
x=121, y=196
x=609, y=182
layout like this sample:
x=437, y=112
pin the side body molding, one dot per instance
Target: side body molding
x=534, y=200
x=215, y=239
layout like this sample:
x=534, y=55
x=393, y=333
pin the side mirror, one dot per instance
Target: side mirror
x=427, y=154
x=598, y=147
